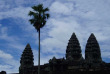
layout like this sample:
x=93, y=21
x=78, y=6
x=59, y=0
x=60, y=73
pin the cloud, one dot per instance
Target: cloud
x=59, y=35
x=17, y=46
x=3, y=30
x=44, y=58
x=83, y=20
x=4, y=34
x=7, y=5
x=82, y=17
x=8, y=62
x=5, y=67
x=5, y=55
x=65, y=8
x=17, y=12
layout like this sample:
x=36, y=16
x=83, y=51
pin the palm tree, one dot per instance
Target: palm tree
x=39, y=18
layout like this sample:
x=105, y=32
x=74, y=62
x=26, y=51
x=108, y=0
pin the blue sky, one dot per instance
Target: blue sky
x=67, y=16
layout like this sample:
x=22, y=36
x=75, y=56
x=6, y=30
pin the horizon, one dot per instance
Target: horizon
x=66, y=16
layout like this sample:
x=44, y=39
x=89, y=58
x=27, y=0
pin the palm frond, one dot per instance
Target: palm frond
x=35, y=15
x=37, y=26
x=46, y=9
x=32, y=21
x=31, y=13
x=40, y=16
x=44, y=22
x=47, y=15
x=38, y=8
x=35, y=8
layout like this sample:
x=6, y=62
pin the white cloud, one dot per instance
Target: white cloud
x=5, y=67
x=18, y=12
x=58, y=7
x=83, y=20
x=5, y=55
x=9, y=62
x=4, y=34
x=13, y=42
x=82, y=17
x=44, y=58
x=16, y=45
x=59, y=35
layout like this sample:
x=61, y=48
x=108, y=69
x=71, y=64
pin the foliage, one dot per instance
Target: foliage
x=39, y=16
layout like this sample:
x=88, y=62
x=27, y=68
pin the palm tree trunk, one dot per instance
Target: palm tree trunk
x=39, y=55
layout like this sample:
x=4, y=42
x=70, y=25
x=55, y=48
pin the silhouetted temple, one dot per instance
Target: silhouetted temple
x=92, y=52
x=26, y=60
x=73, y=63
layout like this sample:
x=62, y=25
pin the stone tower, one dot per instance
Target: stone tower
x=92, y=51
x=26, y=62
x=73, y=51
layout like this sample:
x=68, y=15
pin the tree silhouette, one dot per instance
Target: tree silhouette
x=39, y=18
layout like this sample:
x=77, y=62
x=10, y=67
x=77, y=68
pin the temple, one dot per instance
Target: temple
x=73, y=61
x=26, y=62
x=92, y=52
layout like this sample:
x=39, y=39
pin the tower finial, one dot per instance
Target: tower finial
x=92, y=35
x=73, y=35
x=28, y=46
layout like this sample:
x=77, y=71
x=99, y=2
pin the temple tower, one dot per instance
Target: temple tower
x=92, y=51
x=73, y=51
x=26, y=62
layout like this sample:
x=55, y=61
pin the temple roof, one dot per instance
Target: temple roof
x=73, y=50
x=92, y=51
x=92, y=41
x=27, y=57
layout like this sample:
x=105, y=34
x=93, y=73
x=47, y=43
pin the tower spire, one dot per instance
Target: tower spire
x=28, y=46
x=92, y=51
x=73, y=51
x=26, y=61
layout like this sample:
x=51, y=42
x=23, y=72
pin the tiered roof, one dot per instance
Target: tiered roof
x=73, y=51
x=92, y=51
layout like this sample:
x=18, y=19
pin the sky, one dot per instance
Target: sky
x=82, y=17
